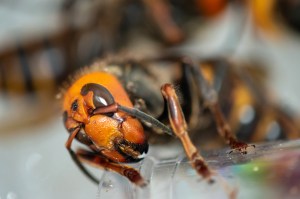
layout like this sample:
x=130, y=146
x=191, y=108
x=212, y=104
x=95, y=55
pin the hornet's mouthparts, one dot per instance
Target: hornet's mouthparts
x=131, y=151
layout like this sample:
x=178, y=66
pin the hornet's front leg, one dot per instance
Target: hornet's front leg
x=97, y=160
x=68, y=144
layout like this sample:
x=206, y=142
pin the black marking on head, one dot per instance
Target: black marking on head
x=25, y=68
x=101, y=96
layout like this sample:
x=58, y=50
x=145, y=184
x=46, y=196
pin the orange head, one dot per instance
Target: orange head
x=116, y=135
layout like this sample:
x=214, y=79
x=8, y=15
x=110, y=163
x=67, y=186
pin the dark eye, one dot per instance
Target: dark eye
x=74, y=106
x=102, y=97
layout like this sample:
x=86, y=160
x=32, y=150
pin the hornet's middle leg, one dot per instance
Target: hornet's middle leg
x=210, y=96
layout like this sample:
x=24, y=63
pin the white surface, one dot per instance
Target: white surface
x=35, y=165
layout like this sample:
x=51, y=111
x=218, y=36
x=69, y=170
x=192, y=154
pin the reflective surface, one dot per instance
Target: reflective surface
x=268, y=171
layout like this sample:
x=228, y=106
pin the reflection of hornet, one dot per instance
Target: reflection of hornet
x=32, y=66
x=105, y=106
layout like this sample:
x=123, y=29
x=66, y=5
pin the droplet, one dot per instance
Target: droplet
x=107, y=185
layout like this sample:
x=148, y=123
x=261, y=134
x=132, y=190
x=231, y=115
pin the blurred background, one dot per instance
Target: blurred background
x=43, y=42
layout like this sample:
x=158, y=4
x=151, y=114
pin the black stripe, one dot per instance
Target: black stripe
x=25, y=70
x=3, y=83
x=57, y=62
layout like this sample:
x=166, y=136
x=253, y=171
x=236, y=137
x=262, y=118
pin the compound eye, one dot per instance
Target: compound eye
x=102, y=97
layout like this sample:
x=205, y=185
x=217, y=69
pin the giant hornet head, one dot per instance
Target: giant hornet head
x=88, y=105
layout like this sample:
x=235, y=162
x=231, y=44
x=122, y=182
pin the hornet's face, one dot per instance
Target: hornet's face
x=116, y=135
